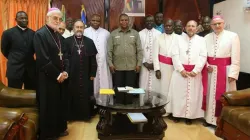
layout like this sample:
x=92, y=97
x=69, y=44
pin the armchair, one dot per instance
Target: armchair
x=234, y=121
x=18, y=114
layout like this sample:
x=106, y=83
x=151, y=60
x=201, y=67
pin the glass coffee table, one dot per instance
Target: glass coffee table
x=115, y=125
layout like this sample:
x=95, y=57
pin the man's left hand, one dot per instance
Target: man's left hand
x=192, y=74
x=151, y=66
x=230, y=79
x=92, y=78
x=137, y=69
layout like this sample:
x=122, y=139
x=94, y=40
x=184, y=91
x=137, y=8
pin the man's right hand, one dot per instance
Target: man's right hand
x=146, y=65
x=158, y=74
x=112, y=69
x=210, y=69
x=184, y=74
x=61, y=79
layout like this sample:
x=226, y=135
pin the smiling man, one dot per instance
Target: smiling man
x=124, y=57
x=206, y=26
x=52, y=70
x=186, y=84
x=103, y=79
x=17, y=47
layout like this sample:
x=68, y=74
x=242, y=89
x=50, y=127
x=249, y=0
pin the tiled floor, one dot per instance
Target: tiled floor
x=175, y=131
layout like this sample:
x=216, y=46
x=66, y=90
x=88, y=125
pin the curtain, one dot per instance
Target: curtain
x=36, y=10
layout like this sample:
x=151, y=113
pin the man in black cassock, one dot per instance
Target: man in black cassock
x=52, y=70
x=17, y=47
x=82, y=58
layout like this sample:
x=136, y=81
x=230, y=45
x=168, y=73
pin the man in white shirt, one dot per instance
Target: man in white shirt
x=186, y=86
x=69, y=28
x=223, y=66
x=148, y=81
x=100, y=37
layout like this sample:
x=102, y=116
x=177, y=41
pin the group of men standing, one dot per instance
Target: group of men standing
x=70, y=69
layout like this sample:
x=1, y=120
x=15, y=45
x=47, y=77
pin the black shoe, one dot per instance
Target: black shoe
x=188, y=121
x=206, y=124
x=170, y=117
x=176, y=120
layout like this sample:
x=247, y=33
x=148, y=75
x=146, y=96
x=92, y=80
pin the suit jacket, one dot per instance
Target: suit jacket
x=17, y=47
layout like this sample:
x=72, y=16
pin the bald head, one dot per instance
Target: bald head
x=191, y=28
x=206, y=23
x=95, y=21
x=178, y=27
x=149, y=21
x=169, y=26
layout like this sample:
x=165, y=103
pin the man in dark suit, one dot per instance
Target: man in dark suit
x=17, y=47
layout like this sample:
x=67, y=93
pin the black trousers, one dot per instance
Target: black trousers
x=122, y=79
x=29, y=83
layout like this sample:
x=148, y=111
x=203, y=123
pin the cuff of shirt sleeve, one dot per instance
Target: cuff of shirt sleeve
x=139, y=64
x=181, y=69
x=59, y=76
x=66, y=75
x=195, y=71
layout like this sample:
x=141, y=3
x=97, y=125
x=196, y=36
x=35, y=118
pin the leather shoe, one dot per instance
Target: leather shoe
x=188, y=121
x=176, y=120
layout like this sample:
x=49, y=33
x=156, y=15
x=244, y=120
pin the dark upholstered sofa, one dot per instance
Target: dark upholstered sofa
x=18, y=114
x=234, y=121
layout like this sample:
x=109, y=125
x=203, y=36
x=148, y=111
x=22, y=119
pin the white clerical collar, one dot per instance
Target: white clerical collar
x=21, y=27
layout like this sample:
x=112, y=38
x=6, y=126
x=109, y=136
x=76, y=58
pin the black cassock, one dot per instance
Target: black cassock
x=82, y=67
x=51, y=95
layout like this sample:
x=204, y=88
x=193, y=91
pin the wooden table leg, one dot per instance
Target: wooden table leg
x=157, y=121
x=103, y=127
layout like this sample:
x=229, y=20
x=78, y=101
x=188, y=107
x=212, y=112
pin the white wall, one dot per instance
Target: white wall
x=237, y=20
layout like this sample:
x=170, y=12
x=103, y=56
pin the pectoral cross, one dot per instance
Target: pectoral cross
x=79, y=48
x=187, y=52
x=60, y=55
x=79, y=51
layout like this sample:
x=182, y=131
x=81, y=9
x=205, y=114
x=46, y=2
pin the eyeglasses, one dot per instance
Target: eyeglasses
x=217, y=24
x=56, y=18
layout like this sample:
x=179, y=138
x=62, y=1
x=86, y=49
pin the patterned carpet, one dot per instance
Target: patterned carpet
x=175, y=131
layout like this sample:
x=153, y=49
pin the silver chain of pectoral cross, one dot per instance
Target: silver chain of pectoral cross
x=60, y=54
x=79, y=46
